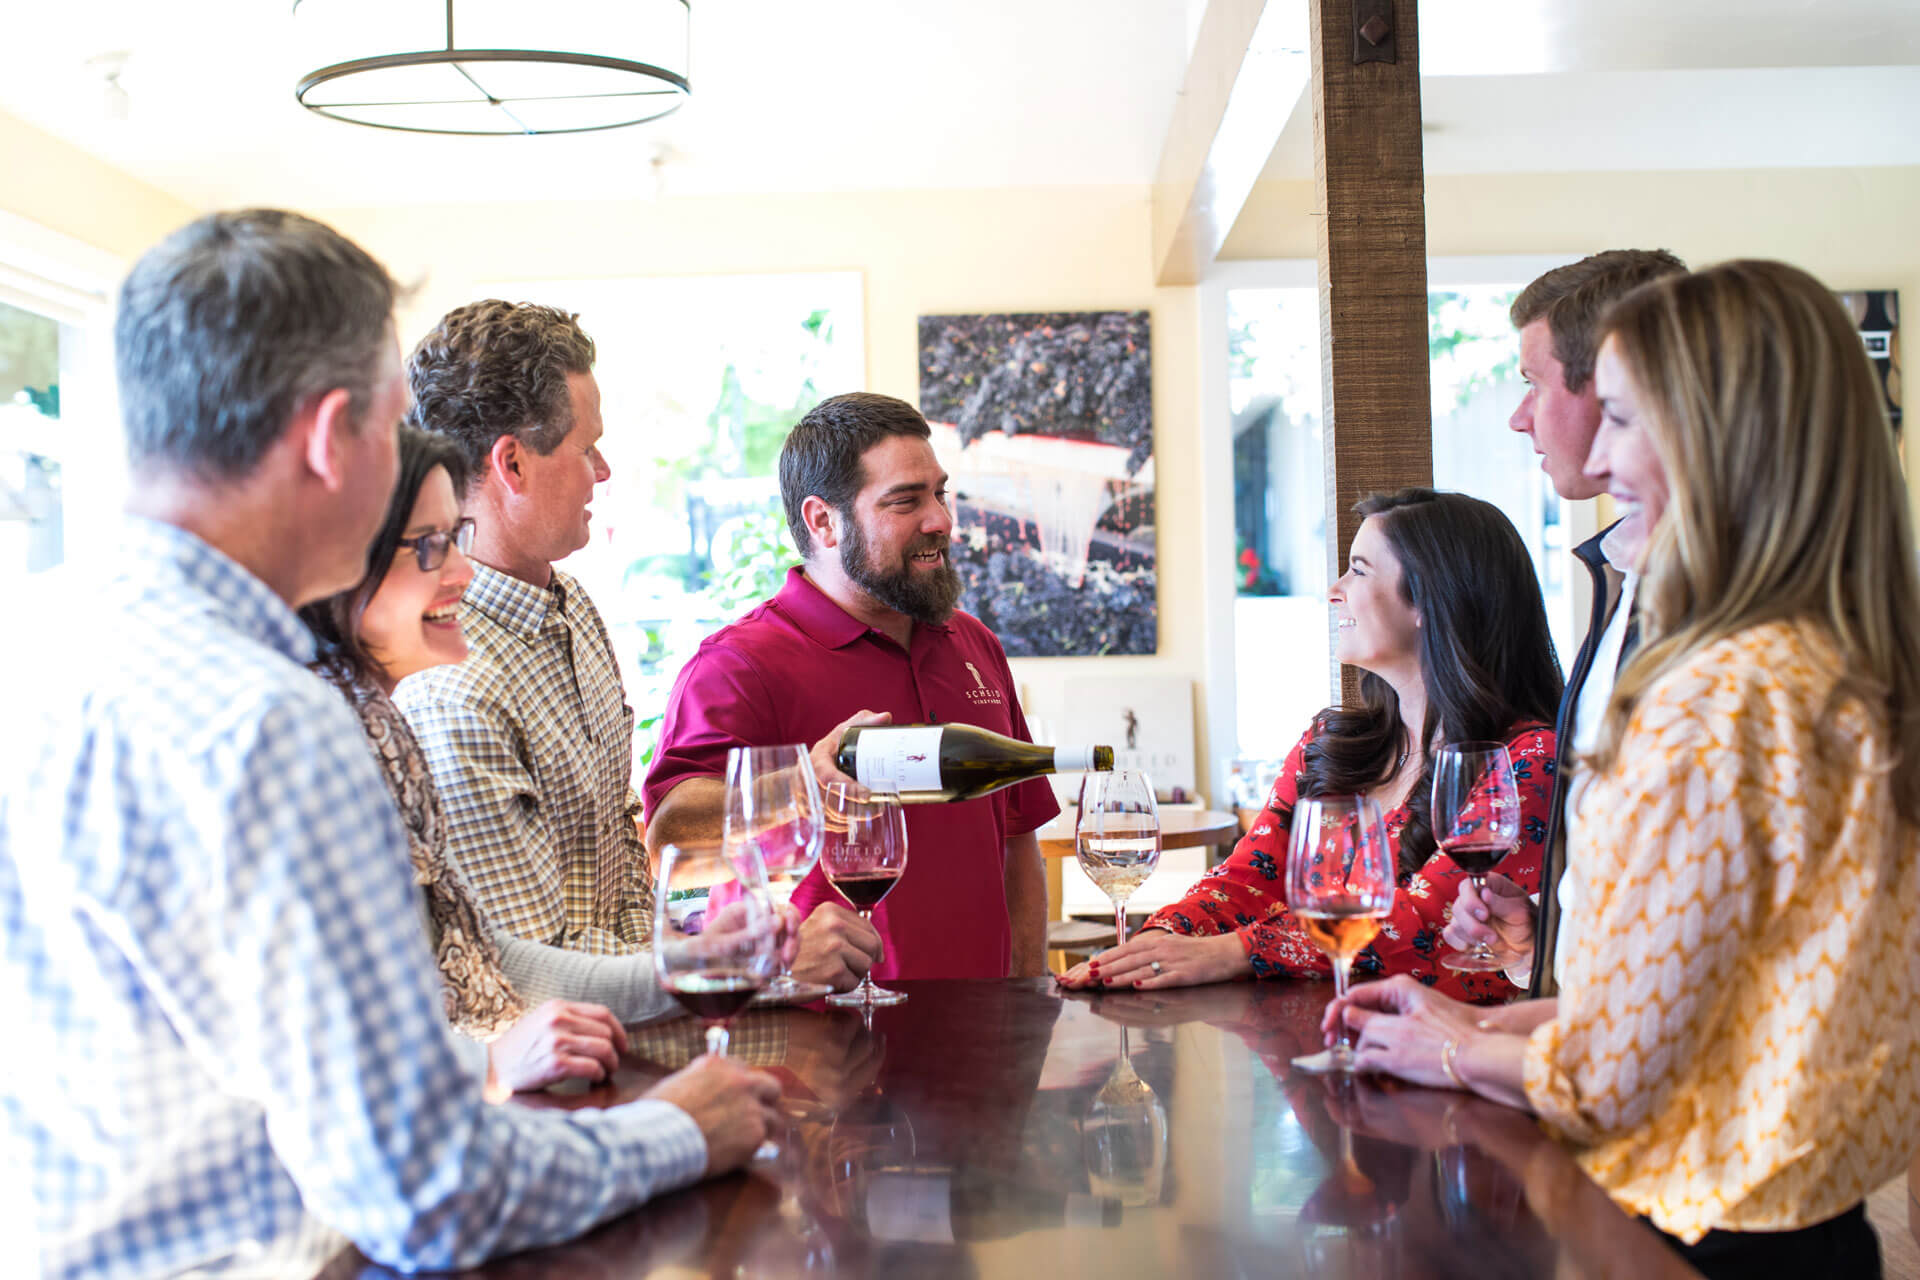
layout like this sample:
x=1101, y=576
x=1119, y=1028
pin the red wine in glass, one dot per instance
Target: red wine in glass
x=713, y=997
x=863, y=890
x=1476, y=822
x=1476, y=857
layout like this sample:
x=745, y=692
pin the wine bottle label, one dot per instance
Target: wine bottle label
x=895, y=760
x=913, y=1207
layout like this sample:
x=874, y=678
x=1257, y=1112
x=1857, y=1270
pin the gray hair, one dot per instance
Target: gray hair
x=231, y=324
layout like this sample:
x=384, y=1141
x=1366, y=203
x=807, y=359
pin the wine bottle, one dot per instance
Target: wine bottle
x=930, y=763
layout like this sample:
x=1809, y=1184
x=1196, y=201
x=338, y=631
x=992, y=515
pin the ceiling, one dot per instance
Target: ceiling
x=879, y=94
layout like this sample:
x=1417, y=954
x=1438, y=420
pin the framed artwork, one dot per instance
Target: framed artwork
x=1045, y=423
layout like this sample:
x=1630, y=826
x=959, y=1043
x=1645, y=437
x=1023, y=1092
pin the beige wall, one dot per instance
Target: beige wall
x=922, y=253
x=47, y=181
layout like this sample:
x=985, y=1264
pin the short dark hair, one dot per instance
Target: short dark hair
x=493, y=368
x=231, y=324
x=335, y=621
x=821, y=456
x=1485, y=651
x=1575, y=297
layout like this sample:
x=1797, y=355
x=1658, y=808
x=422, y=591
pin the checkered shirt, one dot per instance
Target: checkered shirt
x=531, y=744
x=227, y=1031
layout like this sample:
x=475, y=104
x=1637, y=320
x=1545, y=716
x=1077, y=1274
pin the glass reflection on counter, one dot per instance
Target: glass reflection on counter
x=1123, y=1136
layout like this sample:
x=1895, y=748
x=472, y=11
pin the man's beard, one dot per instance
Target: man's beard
x=924, y=595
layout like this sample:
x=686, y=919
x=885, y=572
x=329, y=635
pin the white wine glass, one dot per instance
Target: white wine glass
x=1117, y=836
x=1476, y=822
x=716, y=935
x=773, y=803
x=1340, y=887
x=863, y=856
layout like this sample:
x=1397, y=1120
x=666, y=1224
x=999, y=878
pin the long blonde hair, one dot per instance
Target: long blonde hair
x=1785, y=495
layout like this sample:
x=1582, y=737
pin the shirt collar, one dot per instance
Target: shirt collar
x=823, y=621
x=1609, y=542
x=153, y=551
x=518, y=606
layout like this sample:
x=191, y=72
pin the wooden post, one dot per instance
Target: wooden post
x=1369, y=180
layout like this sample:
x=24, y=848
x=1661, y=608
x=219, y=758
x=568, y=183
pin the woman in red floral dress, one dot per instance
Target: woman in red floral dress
x=1441, y=609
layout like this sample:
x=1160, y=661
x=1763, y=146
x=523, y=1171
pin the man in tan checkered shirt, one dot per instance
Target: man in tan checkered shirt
x=531, y=739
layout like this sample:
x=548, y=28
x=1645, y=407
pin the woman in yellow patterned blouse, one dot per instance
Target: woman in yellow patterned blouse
x=1733, y=1052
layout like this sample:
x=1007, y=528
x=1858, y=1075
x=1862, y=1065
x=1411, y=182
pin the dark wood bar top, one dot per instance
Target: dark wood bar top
x=1001, y=1129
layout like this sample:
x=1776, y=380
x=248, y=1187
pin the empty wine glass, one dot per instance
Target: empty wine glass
x=1340, y=886
x=716, y=936
x=863, y=856
x=1117, y=836
x=773, y=803
x=1476, y=822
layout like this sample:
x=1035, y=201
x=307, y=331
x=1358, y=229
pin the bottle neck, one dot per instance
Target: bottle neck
x=1073, y=759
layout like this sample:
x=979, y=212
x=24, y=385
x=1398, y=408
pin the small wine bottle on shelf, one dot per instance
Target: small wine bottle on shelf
x=931, y=763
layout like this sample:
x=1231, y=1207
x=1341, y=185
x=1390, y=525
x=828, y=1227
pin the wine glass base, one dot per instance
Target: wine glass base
x=860, y=996
x=1324, y=1063
x=1471, y=962
x=786, y=990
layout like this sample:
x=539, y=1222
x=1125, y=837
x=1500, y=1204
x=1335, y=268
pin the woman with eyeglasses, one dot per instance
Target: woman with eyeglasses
x=527, y=999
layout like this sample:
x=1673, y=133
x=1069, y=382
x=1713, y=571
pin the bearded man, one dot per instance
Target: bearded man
x=865, y=631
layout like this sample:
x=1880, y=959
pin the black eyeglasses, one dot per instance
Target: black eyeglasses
x=430, y=549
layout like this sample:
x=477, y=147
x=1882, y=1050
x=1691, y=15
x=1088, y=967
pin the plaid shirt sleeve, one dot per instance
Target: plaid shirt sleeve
x=329, y=1017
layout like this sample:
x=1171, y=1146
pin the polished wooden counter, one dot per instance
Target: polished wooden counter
x=998, y=1129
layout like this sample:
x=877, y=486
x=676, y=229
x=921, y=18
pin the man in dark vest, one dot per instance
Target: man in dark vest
x=1559, y=317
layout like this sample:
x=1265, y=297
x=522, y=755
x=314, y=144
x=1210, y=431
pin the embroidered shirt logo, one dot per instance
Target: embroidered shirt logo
x=981, y=693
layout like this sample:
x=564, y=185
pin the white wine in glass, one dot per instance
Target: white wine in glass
x=1340, y=887
x=1476, y=822
x=1117, y=836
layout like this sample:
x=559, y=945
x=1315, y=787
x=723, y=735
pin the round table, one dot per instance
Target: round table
x=1179, y=829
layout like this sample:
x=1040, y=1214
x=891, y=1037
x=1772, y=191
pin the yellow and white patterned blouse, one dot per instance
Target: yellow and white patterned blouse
x=1735, y=1041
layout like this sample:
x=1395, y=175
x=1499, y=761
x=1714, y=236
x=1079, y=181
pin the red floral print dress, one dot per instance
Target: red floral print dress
x=1246, y=894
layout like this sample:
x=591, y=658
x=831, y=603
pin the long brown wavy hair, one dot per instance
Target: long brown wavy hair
x=1486, y=657
x=1785, y=495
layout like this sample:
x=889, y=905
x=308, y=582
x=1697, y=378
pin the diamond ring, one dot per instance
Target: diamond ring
x=1156, y=965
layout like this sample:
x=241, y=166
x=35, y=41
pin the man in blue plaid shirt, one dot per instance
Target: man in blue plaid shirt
x=229, y=1046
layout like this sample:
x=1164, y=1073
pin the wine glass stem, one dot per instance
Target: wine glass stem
x=866, y=979
x=1341, y=966
x=1119, y=921
x=1481, y=949
x=717, y=1039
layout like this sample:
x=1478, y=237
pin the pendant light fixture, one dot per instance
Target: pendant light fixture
x=495, y=67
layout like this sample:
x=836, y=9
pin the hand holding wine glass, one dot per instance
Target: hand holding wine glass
x=1117, y=836
x=1340, y=887
x=716, y=936
x=863, y=856
x=1476, y=822
x=773, y=803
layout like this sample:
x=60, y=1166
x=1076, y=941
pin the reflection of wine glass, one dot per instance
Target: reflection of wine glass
x=1123, y=1136
x=870, y=1134
x=1476, y=822
x=1347, y=1227
x=864, y=855
x=716, y=937
x=1478, y=1197
x=1339, y=887
x=773, y=803
x=1117, y=836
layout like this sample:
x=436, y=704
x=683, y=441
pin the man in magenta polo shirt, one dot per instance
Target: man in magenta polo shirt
x=864, y=631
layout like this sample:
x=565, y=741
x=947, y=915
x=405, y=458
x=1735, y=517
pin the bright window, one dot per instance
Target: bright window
x=700, y=380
